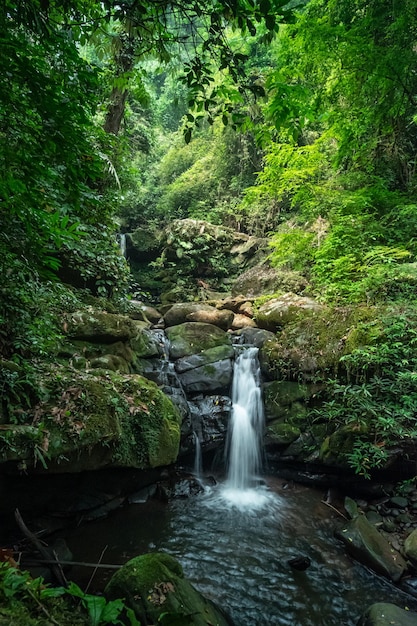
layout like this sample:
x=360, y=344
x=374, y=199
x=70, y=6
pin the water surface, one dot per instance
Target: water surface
x=234, y=547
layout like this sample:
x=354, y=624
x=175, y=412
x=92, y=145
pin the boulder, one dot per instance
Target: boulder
x=280, y=434
x=285, y=400
x=410, y=547
x=224, y=319
x=262, y=279
x=366, y=544
x=242, y=321
x=140, y=311
x=154, y=584
x=100, y=326
x=194, y=337
x=91, y=420
x=385, y=614
x=287, y=308
x=147, y=343
x=210, y=378
x=254, y=336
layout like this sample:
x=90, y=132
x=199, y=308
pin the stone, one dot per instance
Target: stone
x=100, y=326
x=254, y=336
x=209, y=378
x=410, y=547
x=242, y=321
x=194, y=337
x=399, y=502
x=287, y=308
x=91, y=420
x=262, y=279
x=140, y=311
x=363, y=541
x=385, y=614
x=153, y=584
x=205, y=357
x=222, y=318
x=281, y=434
x=147, y=344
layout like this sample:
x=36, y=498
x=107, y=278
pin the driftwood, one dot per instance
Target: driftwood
x=33, y=561
x=45, y=552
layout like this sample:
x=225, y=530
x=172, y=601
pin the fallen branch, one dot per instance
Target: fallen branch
x=76, y=563
x=95, y=569
x=55, y=568
x=334, y=509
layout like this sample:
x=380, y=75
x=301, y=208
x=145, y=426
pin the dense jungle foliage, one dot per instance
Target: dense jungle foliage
x=295, y=121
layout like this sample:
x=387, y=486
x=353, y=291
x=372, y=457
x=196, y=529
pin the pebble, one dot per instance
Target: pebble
x=399, y=501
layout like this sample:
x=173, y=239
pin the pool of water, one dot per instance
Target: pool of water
x=234, y=547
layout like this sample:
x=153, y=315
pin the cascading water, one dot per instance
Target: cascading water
x=198, y=460
x=244, y=445
x=246, y=424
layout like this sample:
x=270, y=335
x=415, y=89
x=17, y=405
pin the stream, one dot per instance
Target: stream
x=234, y=540
x=236, y=553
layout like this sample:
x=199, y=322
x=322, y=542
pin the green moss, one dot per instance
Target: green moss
x=153, y=584
x=282, y=434
x=90, y=420
x=194, y=337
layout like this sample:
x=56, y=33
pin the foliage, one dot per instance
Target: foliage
x=379, y=398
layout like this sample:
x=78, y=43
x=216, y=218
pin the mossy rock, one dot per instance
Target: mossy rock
x=289, y=307
x=146, y=344
x=337, y=446
x=386, y=614
x=281, y=434
x=93, y=420
x=100, y=326
x=286, y=400
x=153, y=584
x=194, y=337
x=143, y=244
x=410, y=548
x=366, y=544
x=314, y=342
x=262, y=280
x=111, y=362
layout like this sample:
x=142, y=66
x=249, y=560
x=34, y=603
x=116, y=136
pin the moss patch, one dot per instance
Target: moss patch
x=153, y=584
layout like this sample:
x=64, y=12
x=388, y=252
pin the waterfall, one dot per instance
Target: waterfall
x=198, y=460
x=122, y=244
x=246, y=424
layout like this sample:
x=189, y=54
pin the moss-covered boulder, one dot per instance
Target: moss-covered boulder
x=386, y=614
x=285, y=309
x=153, y=584
x=262, y=280
x=410, y=548
x=99, y=326
x=143, y=244
x=286, y=400
x=194, y=337
x=147, y=344
x=280, y=434
x=92, y=420
x=337, y=446
x=366, y=544
x=312, y=344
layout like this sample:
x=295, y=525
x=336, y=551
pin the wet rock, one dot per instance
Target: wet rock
x=384, y=614
x=140, y=311
x=281, y=434
x=224, y=319
x=300, y=563
x=374, y=518
x=368, y=546
x=153, y=584
x=208, y=378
